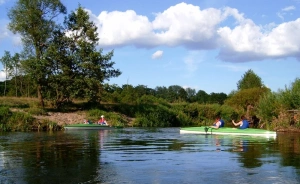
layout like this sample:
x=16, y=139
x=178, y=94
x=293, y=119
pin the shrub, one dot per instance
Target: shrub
x=20, y=121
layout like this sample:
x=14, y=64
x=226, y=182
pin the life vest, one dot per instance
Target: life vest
x=222, y=123
x=245, y=124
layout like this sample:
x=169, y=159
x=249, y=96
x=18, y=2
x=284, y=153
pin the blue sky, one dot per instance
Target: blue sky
x=202, y=44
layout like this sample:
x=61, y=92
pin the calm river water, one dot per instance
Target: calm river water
x=142, y=156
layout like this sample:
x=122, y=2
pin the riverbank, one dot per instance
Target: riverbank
x=24, y=114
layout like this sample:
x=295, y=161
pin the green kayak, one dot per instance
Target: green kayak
x=90, y=127
x=228, y=131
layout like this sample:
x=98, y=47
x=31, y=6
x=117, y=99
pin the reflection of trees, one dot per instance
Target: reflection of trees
x=61, y=158
x=289, y=147
x=252, y=150
x=251, y=154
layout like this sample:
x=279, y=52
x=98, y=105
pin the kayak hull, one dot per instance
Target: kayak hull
x=228, y=131
x=89, y=127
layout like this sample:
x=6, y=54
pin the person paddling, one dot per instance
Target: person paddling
x=218, y=123
x=102, y=121
x=243, y=123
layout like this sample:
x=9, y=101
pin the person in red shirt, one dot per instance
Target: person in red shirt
x=102, y=121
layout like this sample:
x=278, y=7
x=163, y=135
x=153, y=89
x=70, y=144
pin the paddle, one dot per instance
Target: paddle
x=207, y=128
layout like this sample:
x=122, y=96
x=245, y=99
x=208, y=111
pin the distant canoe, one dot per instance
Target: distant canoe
x=228, y=131
x=90, y=127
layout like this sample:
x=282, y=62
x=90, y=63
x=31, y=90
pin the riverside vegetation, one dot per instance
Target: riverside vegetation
x=61, y=70
x=144, y=110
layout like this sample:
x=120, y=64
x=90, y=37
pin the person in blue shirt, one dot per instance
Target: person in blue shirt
x=243, y=123
x=218, y=123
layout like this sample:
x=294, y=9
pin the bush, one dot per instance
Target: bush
x=111, y=117
x=20, y=121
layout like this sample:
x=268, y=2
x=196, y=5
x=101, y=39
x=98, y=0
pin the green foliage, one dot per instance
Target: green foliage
x=244, y=97
x=273, y=107
x=203, y=114
x=34, y=21
x=4, y=117
x=20, y=121
x=111, y=117
x=201, y=97
x=78, y=68
x=249, y=80
x=290, y=97
x=269, y=106
x=155, y=116
x=16, y=102
x=150, y=99
x=14, y=121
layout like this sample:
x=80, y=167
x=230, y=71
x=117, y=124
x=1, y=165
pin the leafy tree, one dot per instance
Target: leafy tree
x=143, y=90
x=34, y=21
x=6, y=61
x=249, y=80
x=79, y=69
x=202, y=96
x=243, y=98
x=191, y=93
x=15, y=65
x=161, y=92
x=217, y=98
x=176, y=93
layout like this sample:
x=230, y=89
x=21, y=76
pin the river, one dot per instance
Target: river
x=147, y=156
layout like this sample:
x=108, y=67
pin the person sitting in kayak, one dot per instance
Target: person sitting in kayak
x=102, y=121
x=243, y=123
x=218, y=123
x=86, y=121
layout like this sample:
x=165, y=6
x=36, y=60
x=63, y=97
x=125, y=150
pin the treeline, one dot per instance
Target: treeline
x=21, y=86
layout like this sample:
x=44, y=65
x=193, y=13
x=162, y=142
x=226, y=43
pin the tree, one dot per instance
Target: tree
x=161, y=92
x=246, y=96
x=202, y=97
x=217, y=98
x=78, y=68
x=34, y=21
x=176, y=93
x=6, y=61
x=190, y=94
x=249, y=80
x=15, y=65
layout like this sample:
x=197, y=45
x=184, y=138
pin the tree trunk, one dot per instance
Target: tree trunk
x=40, y=96
x=5, y=80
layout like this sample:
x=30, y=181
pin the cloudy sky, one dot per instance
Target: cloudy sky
x=206, y=45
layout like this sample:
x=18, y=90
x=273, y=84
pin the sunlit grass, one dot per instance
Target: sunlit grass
x=17, y=102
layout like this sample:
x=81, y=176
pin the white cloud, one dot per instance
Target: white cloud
x=158, y=54
x=2, y=76
x=182, y=23
x=123, y=28
x=186, y=23
x=189, y=26
x=289, y=8
x=284, y=11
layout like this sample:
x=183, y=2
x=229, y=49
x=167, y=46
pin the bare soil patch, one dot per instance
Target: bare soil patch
x=64, y=118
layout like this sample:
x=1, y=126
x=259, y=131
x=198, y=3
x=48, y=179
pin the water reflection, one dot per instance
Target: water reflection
x=154, y=155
